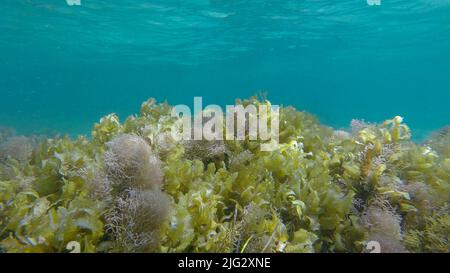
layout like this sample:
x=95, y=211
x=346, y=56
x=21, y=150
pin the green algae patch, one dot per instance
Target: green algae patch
x=133, y=188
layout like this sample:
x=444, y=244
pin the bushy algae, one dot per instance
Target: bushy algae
x=133, y=188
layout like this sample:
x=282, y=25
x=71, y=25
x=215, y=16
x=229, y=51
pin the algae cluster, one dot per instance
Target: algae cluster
x=133, y=188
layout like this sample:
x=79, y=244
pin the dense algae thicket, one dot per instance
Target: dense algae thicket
x=133, y=188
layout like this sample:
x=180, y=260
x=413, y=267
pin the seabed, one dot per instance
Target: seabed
x=131, y=187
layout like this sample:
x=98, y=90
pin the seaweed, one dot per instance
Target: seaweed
x=135, y=220
x=132, y=187
x=130, y=162
x=19, y=148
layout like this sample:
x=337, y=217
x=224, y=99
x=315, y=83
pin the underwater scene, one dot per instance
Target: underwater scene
x=224, y=126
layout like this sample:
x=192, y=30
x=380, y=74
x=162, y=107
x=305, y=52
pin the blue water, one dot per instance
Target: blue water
x=63, y=67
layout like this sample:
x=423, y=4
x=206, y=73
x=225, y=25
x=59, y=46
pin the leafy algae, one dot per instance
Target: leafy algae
x=131, y=187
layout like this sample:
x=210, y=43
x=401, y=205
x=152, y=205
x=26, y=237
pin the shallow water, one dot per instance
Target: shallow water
x=63, y=67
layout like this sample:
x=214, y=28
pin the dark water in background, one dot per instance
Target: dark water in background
x=63, y=67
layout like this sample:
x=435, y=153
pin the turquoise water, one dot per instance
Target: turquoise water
x=63, y=67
